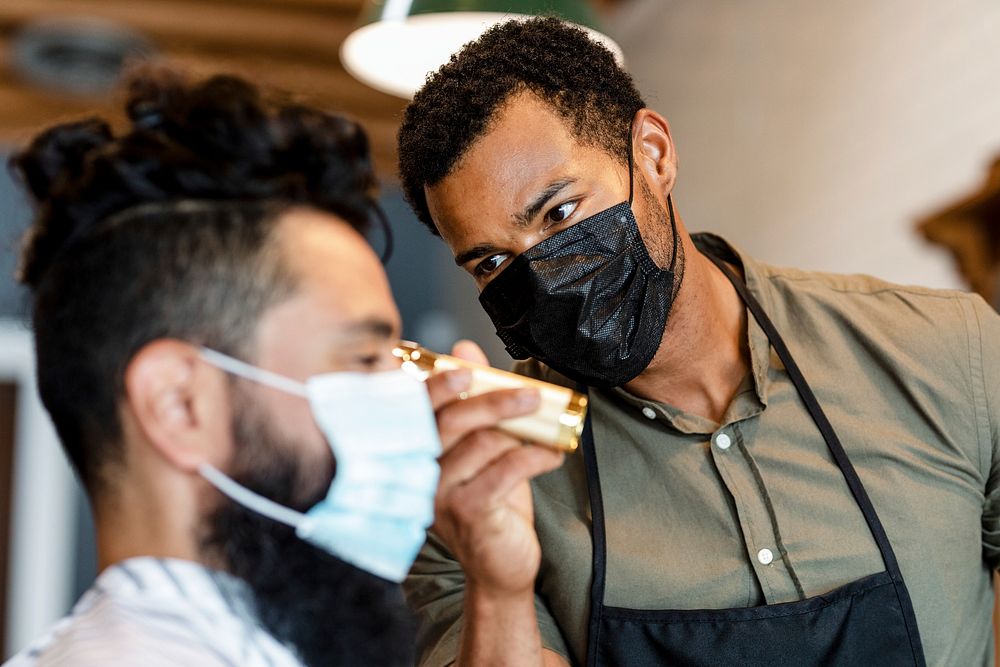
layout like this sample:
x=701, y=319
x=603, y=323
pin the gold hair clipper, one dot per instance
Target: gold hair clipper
x=557, y=423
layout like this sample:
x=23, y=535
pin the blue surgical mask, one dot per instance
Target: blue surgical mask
x=381, y=429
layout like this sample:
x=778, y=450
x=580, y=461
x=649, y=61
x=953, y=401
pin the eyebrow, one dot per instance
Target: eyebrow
x=475, y=252
x=522, y=219
x=373, y=327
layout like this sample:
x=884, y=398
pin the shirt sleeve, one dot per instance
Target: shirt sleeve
x=116, y=636
x=987, y=323
x=434, y=590
x=106, y=654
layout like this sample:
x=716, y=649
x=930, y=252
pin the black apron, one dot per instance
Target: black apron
x=866, y=623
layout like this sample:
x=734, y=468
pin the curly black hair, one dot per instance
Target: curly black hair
x=556, y=61
x=164, y=230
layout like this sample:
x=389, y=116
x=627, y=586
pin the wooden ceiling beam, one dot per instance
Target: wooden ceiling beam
x=328, y=86
x=24, y=113
x=212, y=26
x=348, y=7
x=289, y=45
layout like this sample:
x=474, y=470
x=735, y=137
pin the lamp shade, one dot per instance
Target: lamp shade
x=400, y=42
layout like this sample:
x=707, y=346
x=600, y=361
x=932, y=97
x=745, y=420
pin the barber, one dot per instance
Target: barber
x=780, y=467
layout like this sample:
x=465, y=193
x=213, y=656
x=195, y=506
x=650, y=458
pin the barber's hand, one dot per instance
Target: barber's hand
x=483, y=509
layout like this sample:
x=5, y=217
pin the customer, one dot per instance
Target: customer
x=209, y=318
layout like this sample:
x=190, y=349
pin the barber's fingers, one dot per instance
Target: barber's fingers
x=469, y=351
x=458, y=419
x=497, y=480
x=473, y=453
x=448, y=386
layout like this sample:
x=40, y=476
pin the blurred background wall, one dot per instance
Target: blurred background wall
x=810, y=134
x=815, y=134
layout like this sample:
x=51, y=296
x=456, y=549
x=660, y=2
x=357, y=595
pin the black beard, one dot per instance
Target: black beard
x=329, y=611
x=661, y=244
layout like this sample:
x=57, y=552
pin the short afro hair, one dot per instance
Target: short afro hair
x=557, y=61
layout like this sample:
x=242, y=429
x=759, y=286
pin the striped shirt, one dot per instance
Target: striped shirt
x=158, y=612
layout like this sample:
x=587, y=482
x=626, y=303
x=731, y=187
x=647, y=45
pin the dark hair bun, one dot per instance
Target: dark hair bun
x=218, y=139
x=58, y=154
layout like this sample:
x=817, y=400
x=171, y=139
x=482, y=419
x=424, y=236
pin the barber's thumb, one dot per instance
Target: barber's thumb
x=469, y=351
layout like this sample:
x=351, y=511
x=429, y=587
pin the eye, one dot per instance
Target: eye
x=561, y=212
x=368, y=361
x=489, y=265
x=358, y=362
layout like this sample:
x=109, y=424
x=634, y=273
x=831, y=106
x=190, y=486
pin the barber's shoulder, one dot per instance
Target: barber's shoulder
x=535, y=369
x=860, y=287
x=910, y=317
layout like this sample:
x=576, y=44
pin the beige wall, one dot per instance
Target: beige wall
x=813, y=134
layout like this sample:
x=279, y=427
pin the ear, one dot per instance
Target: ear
x=653, y=149
x=178, y=403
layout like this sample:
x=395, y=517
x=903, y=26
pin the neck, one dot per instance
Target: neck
x=133, y=520
x=703, y=356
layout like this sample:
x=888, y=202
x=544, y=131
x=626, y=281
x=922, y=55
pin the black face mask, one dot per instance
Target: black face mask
x=588, y=301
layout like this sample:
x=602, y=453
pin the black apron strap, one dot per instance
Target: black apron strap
x=598, y=541
x=598, y=533
x=839, y=455
x=812, y=405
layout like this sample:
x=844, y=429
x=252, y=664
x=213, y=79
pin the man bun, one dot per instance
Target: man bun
x=216, y=140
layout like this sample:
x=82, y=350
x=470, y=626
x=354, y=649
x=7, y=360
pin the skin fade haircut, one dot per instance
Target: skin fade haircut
x=163, y=231
x=557, y=62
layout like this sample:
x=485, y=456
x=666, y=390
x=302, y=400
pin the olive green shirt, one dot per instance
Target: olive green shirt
x=753, y=510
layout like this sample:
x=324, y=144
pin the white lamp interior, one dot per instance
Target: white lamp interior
x=395, y=56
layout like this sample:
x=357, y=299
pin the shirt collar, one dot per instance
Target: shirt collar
x=186, y=582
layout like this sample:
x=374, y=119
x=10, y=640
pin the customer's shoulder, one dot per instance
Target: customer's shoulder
x=108, y=634
x=113, y=631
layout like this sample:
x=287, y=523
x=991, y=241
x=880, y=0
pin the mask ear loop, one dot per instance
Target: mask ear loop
x=383, y=222
x=250, y=372
x=250, y=499
x=631, y=167
x=670, y=202
x=673, y=227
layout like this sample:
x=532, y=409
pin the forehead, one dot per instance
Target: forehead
x=527, y=145
x=339, y=280
x=524, y=131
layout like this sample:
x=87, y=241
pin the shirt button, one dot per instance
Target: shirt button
x=722, y=441
x=649, y=413
x=765, y=556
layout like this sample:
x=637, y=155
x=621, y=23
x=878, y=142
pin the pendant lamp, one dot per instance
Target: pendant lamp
x=400, y=42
